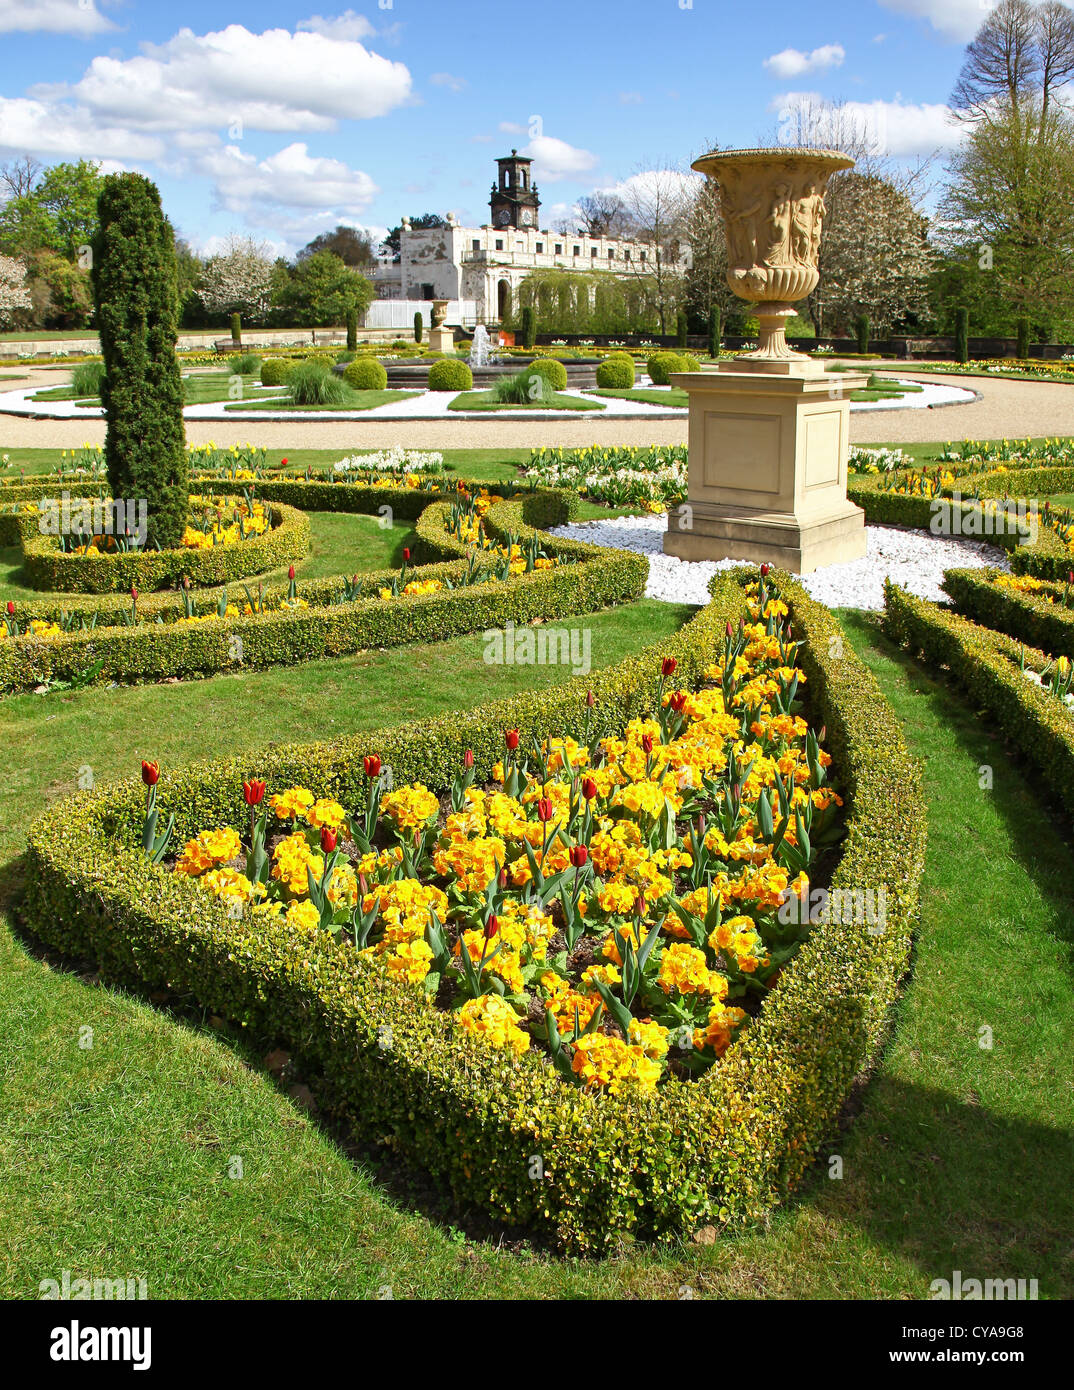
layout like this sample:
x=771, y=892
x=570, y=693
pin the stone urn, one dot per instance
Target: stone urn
x=439, y=312
x=773, y=208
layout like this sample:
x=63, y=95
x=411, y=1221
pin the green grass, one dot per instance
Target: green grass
x=960, y=1158
x=486, y=400
x=199, y=388
x=354, y=400
x=676, y=398
x=342, y=544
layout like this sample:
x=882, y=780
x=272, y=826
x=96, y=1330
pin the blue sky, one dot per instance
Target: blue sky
x=279, y=119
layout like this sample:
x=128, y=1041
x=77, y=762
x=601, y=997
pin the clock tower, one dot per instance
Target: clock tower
x=514, y=199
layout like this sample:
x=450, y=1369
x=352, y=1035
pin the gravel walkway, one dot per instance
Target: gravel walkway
x=1007, y=409
x=912, y=559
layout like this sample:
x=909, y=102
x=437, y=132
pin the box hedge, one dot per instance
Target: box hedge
x=986, y=665
x=722, y=1150
x=46, y=566
x=1039, y=619
x=592, y=578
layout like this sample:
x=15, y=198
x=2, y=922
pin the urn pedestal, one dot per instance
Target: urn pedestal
x=770, y=431
x=441, y=339
x=767, y=474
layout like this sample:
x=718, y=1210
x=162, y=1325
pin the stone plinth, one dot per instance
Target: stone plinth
x=768, y=470
x=442, y=340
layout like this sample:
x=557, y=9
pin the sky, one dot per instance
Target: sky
x=278, y=119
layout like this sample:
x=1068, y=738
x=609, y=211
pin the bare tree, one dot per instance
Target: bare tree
x=19, y=178
x=657, y=202
x=603, y=214
x=1020, y=57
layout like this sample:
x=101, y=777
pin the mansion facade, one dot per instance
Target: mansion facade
x=483, y=267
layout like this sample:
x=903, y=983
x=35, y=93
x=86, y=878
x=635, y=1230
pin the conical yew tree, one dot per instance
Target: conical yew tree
x=135, y=289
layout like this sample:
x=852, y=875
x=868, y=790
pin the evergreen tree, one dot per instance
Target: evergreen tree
x=135, y=289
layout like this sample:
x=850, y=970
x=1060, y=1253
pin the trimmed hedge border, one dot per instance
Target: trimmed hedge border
x=986, y=665
x=1028, y=618
x=46, y=566
x=724, y=1149
x=1046, y=558
x=594, y=577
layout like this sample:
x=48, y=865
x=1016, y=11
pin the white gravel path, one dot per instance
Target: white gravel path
x=914, y=559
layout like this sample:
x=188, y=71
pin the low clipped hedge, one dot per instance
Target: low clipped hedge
x=593, y=578
x=724, y=1149
x=1038, y=619
x=365, y=374
x=1045, y=558
x=449, y=374
x=987, y=666
x=46, y=566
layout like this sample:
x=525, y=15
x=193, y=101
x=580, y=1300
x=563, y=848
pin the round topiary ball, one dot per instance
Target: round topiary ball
x=555, y=373
x=690, y=363
x=449, y=374
x=661, y=365
x=616, y=373
x=365, y=374
x=275, y=371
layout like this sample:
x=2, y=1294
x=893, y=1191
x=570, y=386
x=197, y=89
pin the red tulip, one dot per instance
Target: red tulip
x=10, y=609
x=406, y=555
x=590, y=699
x=729, y=629
x=764, y=571
x=678, y=701
x=329, y=839
x=589, y=788
x=639, y=905
x=283, y=463
x=253, y=792
x=186, y=582
x=492, y=926
x=134, y=594
x=545, y=810
x=511, y=739
x=668, y=666
x=647, y=743
x=371, y=763
x=468, y=759
x=150, y=773
x=579, y=856
x=354, y=580
x=291, y=572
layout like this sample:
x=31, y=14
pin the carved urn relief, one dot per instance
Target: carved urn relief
x=773, y=208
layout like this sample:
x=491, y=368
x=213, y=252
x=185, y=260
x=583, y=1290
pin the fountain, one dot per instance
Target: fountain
x=480, y=353
x=770, y=431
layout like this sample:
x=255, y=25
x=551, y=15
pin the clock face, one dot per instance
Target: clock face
x=527, y=217
x=503, y=217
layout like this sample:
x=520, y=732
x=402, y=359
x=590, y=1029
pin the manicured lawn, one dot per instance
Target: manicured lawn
x=355, y=400
x=959, y=1157
x=486, y=400
x=674, y=399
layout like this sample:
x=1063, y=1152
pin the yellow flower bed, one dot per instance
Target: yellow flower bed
x=619, y=904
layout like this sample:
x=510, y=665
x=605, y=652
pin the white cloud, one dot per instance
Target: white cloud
x=555, y=159
x=481, y=139
x=270, y=81
x=446, y=79
x=643, y=183
x=347, y=26
x=69, y=132
x=957, y=20
x=291, y=178
x=510, y=128
x=893, y=128
x=630, y=98
x=79, y=17
x=792, y=62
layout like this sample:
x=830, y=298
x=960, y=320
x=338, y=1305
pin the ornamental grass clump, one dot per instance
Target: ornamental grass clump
x=621, y=905
x=312, y=383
